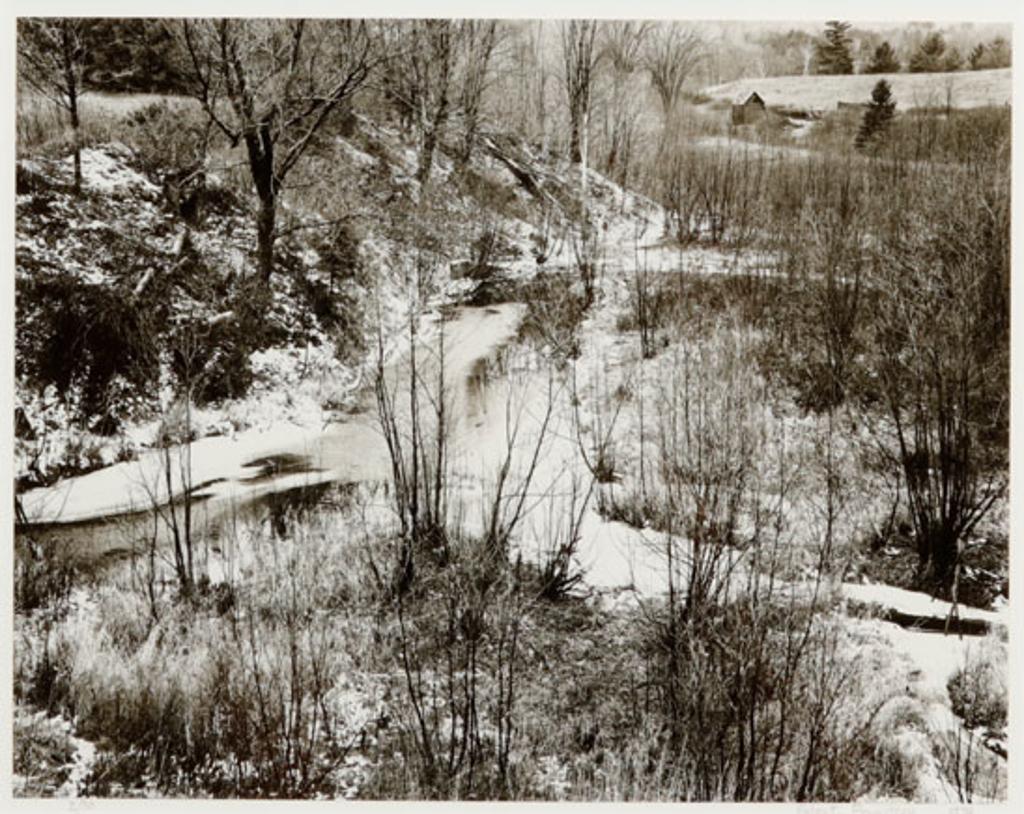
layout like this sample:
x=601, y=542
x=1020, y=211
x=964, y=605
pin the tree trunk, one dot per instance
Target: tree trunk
x=575, y=153
x=942, y=555
x=260, y=147
x=430, y=137
x=78, y=152
x=469, y=139
x=426, y=156
x=71, y=88
x=265, y=223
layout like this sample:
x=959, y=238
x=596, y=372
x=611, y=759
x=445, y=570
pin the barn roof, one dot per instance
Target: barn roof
x=746, y=97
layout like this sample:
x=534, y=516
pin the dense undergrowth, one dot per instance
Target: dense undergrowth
x=306, y=674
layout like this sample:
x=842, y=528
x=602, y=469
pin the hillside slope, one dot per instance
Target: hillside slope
x=117, y=286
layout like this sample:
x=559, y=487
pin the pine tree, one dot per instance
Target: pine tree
x=833, y=56
x=995, y=54
x=883, y=60
x=930, y=55
x=951, y=60
x=877, y=116
x=976, y=59
x=999, y=53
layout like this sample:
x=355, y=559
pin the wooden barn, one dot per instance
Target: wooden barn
x=748, y=108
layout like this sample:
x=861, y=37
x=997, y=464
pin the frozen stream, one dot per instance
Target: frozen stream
x=497, y=392
x=96, y=513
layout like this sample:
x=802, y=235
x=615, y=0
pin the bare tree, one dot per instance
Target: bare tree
x=943, y=363
x=272, y=84
x=534, y=70
x=672, y=53
x=579, y=60
x=622, y=48
x=479, y=39
x=420, y=79
x=51, y=58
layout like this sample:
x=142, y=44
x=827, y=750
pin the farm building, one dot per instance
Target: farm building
x=747, y=107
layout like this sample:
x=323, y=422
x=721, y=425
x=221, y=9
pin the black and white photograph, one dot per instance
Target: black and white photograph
x=562, y=403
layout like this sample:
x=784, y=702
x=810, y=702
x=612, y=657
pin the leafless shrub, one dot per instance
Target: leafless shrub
x=715, y=193
x=459, y=660
x=942, y=363
x=978, y=693
x=974, y=773
x=555, y=309
x=460, y=667
x=560, y=534
x=733, y=651
x=418, y=452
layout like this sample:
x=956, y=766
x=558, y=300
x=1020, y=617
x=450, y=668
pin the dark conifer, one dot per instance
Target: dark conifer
x=877, y=116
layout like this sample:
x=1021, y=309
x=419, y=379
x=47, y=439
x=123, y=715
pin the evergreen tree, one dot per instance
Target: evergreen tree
x=952, y=61
x=877, y=116
x=976, y=59
x=133, y=55
x=930, y=55
x=995, y=54
x=833, y=56
x=883, y=60
x=999, y=53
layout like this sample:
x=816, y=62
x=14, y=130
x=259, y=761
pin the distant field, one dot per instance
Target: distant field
x=40, y=121
x=117, y=104
x=969, y=89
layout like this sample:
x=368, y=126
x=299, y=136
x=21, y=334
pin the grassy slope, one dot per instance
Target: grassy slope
x=969, y=88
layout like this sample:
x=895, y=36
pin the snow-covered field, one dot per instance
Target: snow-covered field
x=963, y=89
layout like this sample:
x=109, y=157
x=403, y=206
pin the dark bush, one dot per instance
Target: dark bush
x=978, y=695
x=170, y=142
x=41, y=578
x=212, y=360
x=86, y=336
x=132, y=55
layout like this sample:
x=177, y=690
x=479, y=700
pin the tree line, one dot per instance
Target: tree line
x=833, y=54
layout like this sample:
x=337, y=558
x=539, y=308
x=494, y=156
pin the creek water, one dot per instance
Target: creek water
x=104, y=514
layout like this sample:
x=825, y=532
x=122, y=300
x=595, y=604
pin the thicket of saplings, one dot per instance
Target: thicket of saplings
x=886, y=291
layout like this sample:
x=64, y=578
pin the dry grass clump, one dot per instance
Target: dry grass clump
x=257, y=699
x=43, y=753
